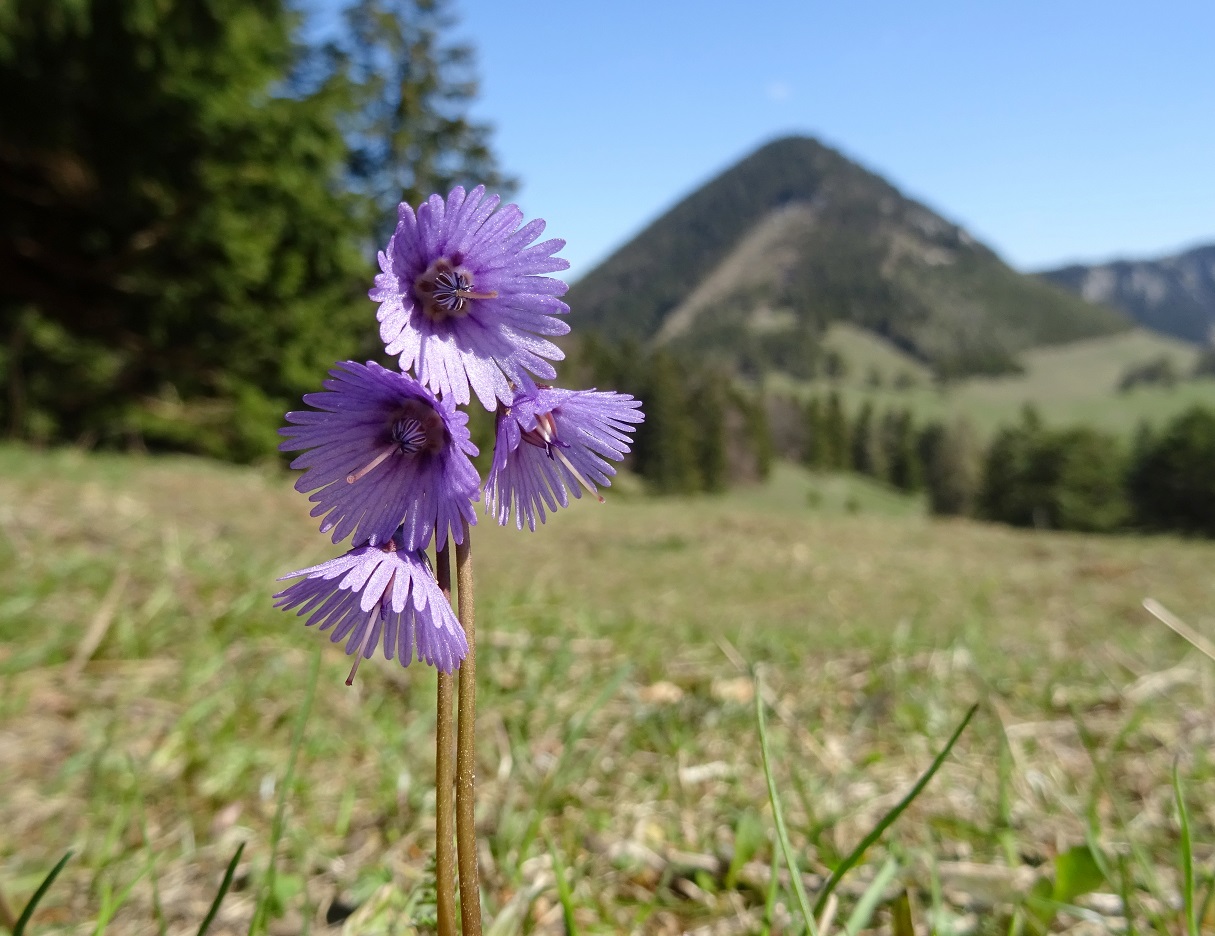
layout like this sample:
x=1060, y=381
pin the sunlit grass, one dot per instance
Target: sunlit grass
x=618, y=732
x=1070, y=384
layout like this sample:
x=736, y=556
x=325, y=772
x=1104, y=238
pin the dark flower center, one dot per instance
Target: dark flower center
x=446, y=290
x=413, y=428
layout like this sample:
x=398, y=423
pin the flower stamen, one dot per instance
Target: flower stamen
x=545, y=436
x=408, y=438
x=445, y=291
x=367, y=468
x=362, y=648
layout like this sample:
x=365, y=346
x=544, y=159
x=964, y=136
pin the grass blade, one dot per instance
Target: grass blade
x=262, y=910
x=901, y=923
x=1187, y=858
x=564, y=894
x=223, y=890
x=782, y=833
x=887, y=820
x=865, y=907
x=45, y=886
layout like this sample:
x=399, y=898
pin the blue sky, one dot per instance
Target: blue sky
x=1052, y=131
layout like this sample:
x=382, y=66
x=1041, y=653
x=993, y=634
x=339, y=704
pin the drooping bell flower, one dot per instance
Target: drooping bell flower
x=550, y=442
x=375, y=595
x=382, y=452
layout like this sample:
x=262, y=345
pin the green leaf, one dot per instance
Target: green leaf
x=887, y=820
x=778, y=816
x=901, y=923
x=45, y=886
x=1077, y=872
x=1187, y=858
x=223, y=890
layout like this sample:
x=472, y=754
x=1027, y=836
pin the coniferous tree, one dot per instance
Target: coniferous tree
x=816, y=454
x=952, y=461
x=411, y=91
x=903, y=467
x=1171, y=481
x=761, y=439
x=707, y=410
x=1071, y=479
x=837, y=444
x=179, y=259
x=867, y=455
x=665, y=449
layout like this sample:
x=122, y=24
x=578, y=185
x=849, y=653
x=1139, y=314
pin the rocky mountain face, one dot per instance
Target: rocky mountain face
x=753, y=266
x=1174, y=295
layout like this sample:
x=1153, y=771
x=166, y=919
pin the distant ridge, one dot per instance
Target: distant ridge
x=1174, y=295
x=753, y=266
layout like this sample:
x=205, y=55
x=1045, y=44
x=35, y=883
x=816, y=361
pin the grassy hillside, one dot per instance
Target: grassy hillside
x=1071, y=384
x=752, y=267
x=148, y=693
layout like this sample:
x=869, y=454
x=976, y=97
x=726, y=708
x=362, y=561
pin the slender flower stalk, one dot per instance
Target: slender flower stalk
x=466, y=750
x=445, y=776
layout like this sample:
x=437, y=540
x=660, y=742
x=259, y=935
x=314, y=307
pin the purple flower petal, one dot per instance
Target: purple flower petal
x=551, y=441
x=382, y=451
x=462, y=291
x=386, y=592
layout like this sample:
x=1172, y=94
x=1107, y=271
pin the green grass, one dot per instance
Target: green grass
x=617, y=729
x=1070, y=384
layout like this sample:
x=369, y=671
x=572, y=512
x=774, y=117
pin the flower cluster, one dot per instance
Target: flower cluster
x=467, y=305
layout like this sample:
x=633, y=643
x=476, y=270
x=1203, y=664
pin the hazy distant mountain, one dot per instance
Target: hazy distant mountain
x=1173, y=295
x=756, y=263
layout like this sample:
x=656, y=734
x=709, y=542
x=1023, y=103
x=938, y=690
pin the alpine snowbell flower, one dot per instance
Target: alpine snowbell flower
x=551, y=440
x=379, y=592
x=382, y=452
x=464, y=299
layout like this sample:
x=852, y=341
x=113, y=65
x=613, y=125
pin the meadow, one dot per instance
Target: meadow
x=149, y=694
x=1072, y=384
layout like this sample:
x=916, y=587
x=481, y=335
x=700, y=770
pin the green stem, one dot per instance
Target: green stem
x=445, y=774
x=466, y=751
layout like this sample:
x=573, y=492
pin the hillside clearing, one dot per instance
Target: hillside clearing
x=1072, y=384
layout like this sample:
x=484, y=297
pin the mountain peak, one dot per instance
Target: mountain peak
x=755, y=264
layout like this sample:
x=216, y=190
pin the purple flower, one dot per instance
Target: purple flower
x=382, y=452
x=384, y=591
x=549, y=440
x=463, y=299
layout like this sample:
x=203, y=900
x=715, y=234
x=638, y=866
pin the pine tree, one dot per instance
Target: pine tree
x=707, y=408
x=952, y=461
x=411, y=91
x=1170, y=481
x=665, y=449
x=903, y=467
x=817, y=449
x=178, y=258
x=868, y=458
x=837, y=443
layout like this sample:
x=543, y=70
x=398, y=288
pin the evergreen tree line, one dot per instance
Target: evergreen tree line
x=702, y=431
x=939, y=458
x=1030, y=475
x=190, y=199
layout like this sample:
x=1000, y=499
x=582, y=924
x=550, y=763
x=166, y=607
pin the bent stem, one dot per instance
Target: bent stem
x=445, y=771
x=466, y=762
